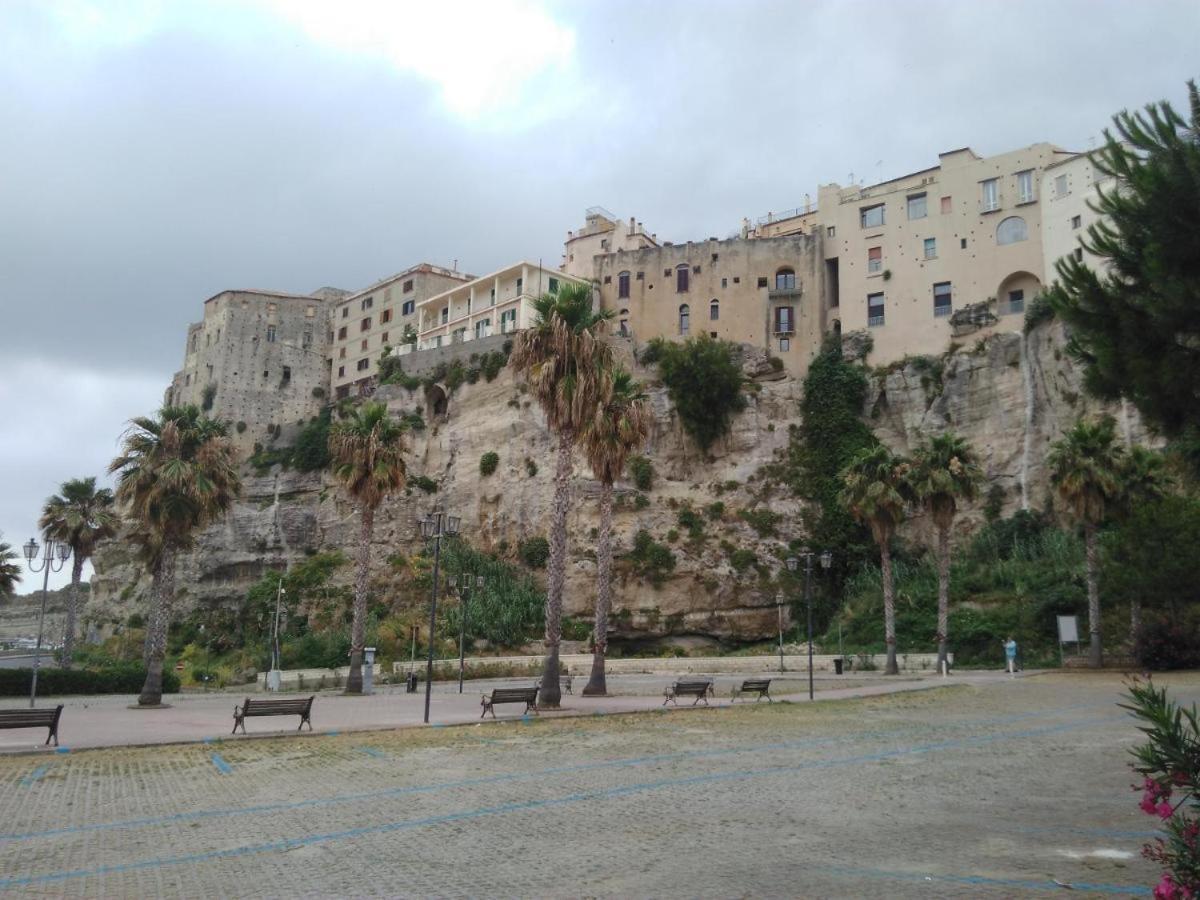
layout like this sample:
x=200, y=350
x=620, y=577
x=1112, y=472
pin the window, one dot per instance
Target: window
x=341, y=371
x=445, y=314
x=640, y=276
x=931, y=248
x=874, y=310
x=310, y=312
x=684, y=318
x=363, y=345
x=666, y=273
x=342, y=333
x=194, y=341
x=623, y=285
x=989, y=198
x=385, y=317
x=307, y=337
x=830, y=231
x=681, y=279
x=384, y=338
x=623, y=326
x=724, y=282
x=408, y=285
x=468, y=306
x=947, y=206
x=1011, y=230
x=483, y=328
x=785, y=322
x=366, y=324
x=554, y=285
x=408, y=308
x=871, y=216
x=367, y=303
x=1078, y=251
x=962, y=243
x=1060, y=186
x=785, y=344
x=271, y=308
x=762, y=281
x=364, y=364
x=270, y=334
x=942, y=304
x=1025, y=186
x=1016, y=302
x=520, y=284
x=508, y=321
x=737, y=279
x=1076, y=221
x=916, y=206
x=785, y=280
x=287, y=374
x=342, y=353
x=714, y=310
x=345, y=311
x=874, y=259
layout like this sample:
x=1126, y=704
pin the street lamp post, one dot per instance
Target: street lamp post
x=435, y=526
x=204, y=640
x=462, y=624
x=793, y=564
x=54, y=557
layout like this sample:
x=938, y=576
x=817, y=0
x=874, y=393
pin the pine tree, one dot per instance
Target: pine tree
x=1135, y=319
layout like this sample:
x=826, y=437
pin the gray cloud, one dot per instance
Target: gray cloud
x=224, y=148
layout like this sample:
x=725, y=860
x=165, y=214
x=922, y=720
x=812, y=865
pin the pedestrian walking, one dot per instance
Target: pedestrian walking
x=1010, y=654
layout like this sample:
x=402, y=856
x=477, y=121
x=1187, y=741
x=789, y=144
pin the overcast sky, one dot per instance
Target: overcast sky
x=155, y=153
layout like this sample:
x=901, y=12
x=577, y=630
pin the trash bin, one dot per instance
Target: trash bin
x=410, y=683
x=837, y=665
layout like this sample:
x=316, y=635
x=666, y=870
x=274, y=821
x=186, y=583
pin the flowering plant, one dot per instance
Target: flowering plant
x=1169, y=763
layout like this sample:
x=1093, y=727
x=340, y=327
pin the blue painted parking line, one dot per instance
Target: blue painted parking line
x=223, y=767
x=371, y=751
x=35, y=775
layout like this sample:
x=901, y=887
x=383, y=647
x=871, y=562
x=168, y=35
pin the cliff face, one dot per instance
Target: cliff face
x=1010, y=396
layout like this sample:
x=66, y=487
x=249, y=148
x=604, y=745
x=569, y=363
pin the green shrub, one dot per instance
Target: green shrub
x=425, y=483
x=761, y=520
x=576, y=629
x=531, y=468
x=208, y=396
x=715, y=510
x=690, y=519
x=1168, y=642
x=312, y=446
x=491, y=363
x=640, y=501
x=112, y=678
x=534, y=552
x=705, y=385
x=741, y=559
x=508, y=610
x=1039, y=310
x=650, y=560
x=488, y=463
x=652, y=352
x=240, y=427
x=993, y=506
x=641, y=470
x=775, y=363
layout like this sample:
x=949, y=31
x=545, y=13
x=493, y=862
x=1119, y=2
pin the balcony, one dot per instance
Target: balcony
x=786, y=293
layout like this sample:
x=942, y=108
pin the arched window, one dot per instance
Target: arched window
x=785, y=280
x=684, y=318
x=681, y=279
x=623, y=285
x=1011, y=230
x=714, y=310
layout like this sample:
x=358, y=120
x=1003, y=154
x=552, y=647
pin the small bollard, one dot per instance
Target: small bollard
x=410, y=683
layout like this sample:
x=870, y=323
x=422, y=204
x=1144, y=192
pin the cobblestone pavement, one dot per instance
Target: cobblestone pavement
x=992, y=790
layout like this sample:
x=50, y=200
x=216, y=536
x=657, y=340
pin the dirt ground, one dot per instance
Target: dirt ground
x=1000, y=790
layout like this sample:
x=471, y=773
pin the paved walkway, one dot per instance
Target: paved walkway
x=108, y=721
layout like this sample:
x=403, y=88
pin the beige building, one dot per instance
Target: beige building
x=258, y=360
x=1068, y=188
x=766, y=292
x=499, y=303
x=385, y=314
x=601, y=233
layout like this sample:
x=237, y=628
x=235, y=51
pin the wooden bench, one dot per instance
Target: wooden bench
x=33, y=718
x=526, y=695
x=273, y=707
x=700, y=689
x=760, y=686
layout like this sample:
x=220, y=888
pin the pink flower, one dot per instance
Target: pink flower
x=1166, y=889
x=1164, y=810
x=1148, y=806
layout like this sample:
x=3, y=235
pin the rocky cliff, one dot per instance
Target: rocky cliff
x=1009, y=395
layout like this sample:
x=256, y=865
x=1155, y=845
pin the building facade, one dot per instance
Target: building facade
x=257, y=360
x=383, y=315
x=767, y=293
x=601, y=233
x=499, y=303
x=1069, y=188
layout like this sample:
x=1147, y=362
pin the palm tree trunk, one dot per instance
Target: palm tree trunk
x=551, y=693
x=156, y=631
x=1135, y=620
x=358, y=627
x=943, y=615
x=1096, y=656
x=889, y=610
x=68, y=647
x=596, y=686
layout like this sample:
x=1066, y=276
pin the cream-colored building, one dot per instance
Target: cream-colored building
x=365, y=322
x=1069, y=187
x=259, y=360
x=767, y=293
x=601, y=233
x=499, y=303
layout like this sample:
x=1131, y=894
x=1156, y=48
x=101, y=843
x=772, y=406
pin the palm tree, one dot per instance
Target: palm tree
x=176, y=474
x=366, y=455
x=1143, y=479
x=875, y=492
x=562, y=356
x=10, y=570
x=1085, y=468
x=80, y=517
x=944, y=471
x=619, y=425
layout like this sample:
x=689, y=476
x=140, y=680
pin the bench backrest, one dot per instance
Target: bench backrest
x=28, y=718
x=507, y=695
x=254, y=707
x=687, y=687
x=760, y=684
